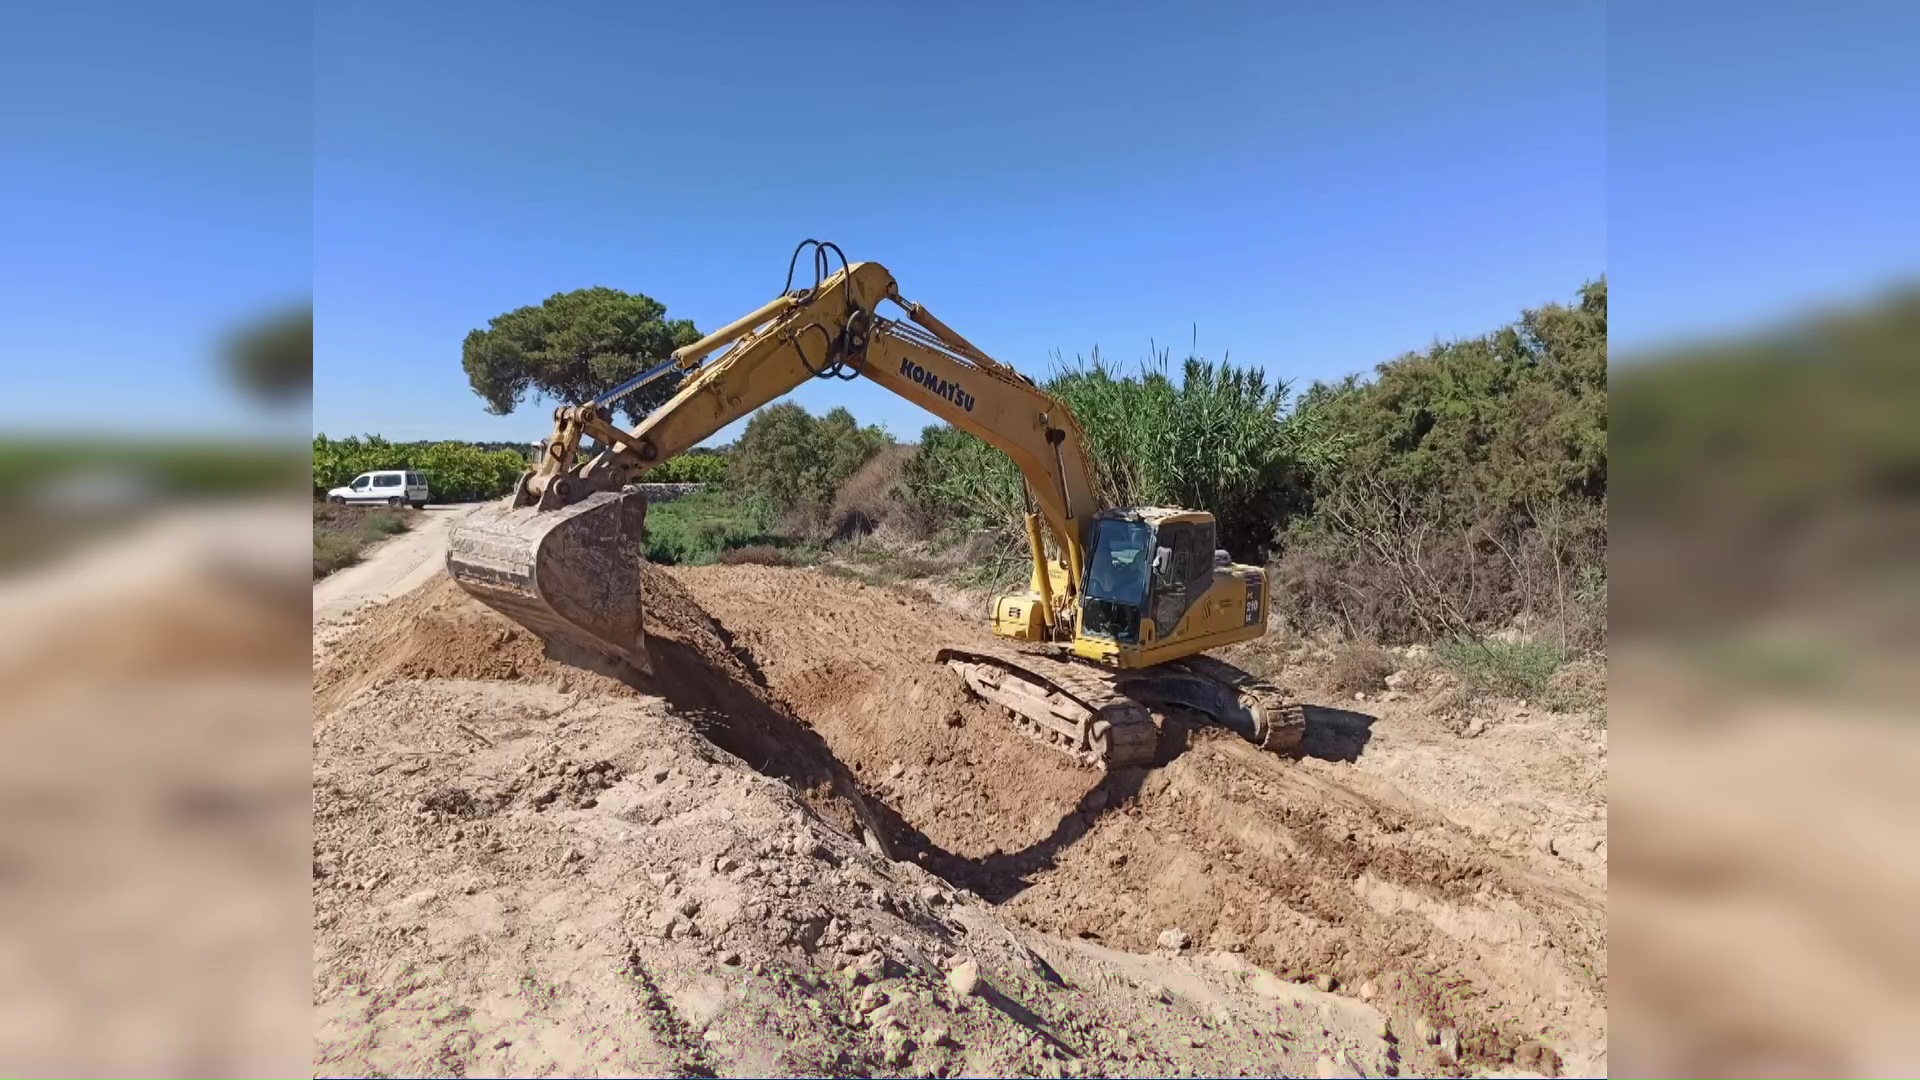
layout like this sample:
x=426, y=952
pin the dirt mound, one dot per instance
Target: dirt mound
x=1313, y=867
x=506, y=883
x=1318, y=870
x=521, y=868
x=440, y=632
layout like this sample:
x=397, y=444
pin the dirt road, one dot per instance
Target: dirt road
x=801, y=849
x=393, y=568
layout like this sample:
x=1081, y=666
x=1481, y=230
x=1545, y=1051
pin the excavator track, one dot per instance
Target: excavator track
x=1104, y=717
x=1074, y=708
x=1272, y=721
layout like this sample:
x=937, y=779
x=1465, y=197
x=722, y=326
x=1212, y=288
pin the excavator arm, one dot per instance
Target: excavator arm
x=562, y=555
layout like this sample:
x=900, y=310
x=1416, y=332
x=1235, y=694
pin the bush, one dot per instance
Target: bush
x=1360, y=668
x=379, y=524
x=697, y=529
x=793, y=459
x=1462, y=488
x=1381, y=564
x=693, y=467
x=333, y=551
x=874, y=495
x=1509, y=668
x=957, y=485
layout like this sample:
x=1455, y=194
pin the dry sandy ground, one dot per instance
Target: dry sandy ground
x=155, y=800
x=1767, y=877
x=395, y=567
x=799, y=848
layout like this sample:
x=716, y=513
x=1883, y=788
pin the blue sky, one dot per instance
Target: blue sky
x=155, y=191
x=1318, y=187
x=1316, y=190
x=1762, y=161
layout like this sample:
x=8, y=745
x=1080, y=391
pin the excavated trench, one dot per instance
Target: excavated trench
x=829, y=684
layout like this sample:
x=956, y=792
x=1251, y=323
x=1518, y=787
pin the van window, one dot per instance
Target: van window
x=416, y=480
x=359, y=483
x=387, y=480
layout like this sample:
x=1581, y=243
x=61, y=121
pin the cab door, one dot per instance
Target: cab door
x=1182, y=573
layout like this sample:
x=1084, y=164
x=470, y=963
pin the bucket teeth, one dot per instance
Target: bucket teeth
x=570, y=575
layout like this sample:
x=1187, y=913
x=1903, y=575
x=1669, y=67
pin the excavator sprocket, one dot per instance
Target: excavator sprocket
x=1104, y=717
x=1258, y=711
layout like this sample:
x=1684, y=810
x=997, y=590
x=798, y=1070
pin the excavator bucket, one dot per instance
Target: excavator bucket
x=571, y=575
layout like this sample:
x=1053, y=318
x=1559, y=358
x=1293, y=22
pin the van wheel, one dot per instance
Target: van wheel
x=418, y=505
x=337, y=500
x=395, y=502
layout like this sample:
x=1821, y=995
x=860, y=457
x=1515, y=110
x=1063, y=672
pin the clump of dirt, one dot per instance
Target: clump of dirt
x=1311, y=867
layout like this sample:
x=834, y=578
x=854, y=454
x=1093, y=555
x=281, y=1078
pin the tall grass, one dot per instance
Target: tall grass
x=1216, y=437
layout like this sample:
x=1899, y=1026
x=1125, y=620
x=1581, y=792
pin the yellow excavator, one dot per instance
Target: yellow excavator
x=1120, y=605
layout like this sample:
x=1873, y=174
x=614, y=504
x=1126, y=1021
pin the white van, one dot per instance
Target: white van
x=390, y=486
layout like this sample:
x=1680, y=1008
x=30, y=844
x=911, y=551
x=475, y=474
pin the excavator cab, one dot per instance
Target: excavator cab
x=1155, y=583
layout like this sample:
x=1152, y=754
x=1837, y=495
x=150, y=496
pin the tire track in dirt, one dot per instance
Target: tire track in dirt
x=1308, y=866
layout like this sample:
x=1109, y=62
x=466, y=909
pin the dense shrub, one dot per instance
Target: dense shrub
x=693, y=467
x=797, y=461
x=957, y=484
x=1360, y=668
x=1493, y=666
x=699, y=528
x=1461, y=489
x=874, y=495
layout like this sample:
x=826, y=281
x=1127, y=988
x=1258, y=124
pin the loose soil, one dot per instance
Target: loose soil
x=1315, y=866
x=765, y=857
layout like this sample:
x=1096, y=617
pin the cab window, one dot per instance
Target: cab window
x=1122, y=559
x=360, y=483
x=1199, y=541
x=1183, y=567
x=1173, y=551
